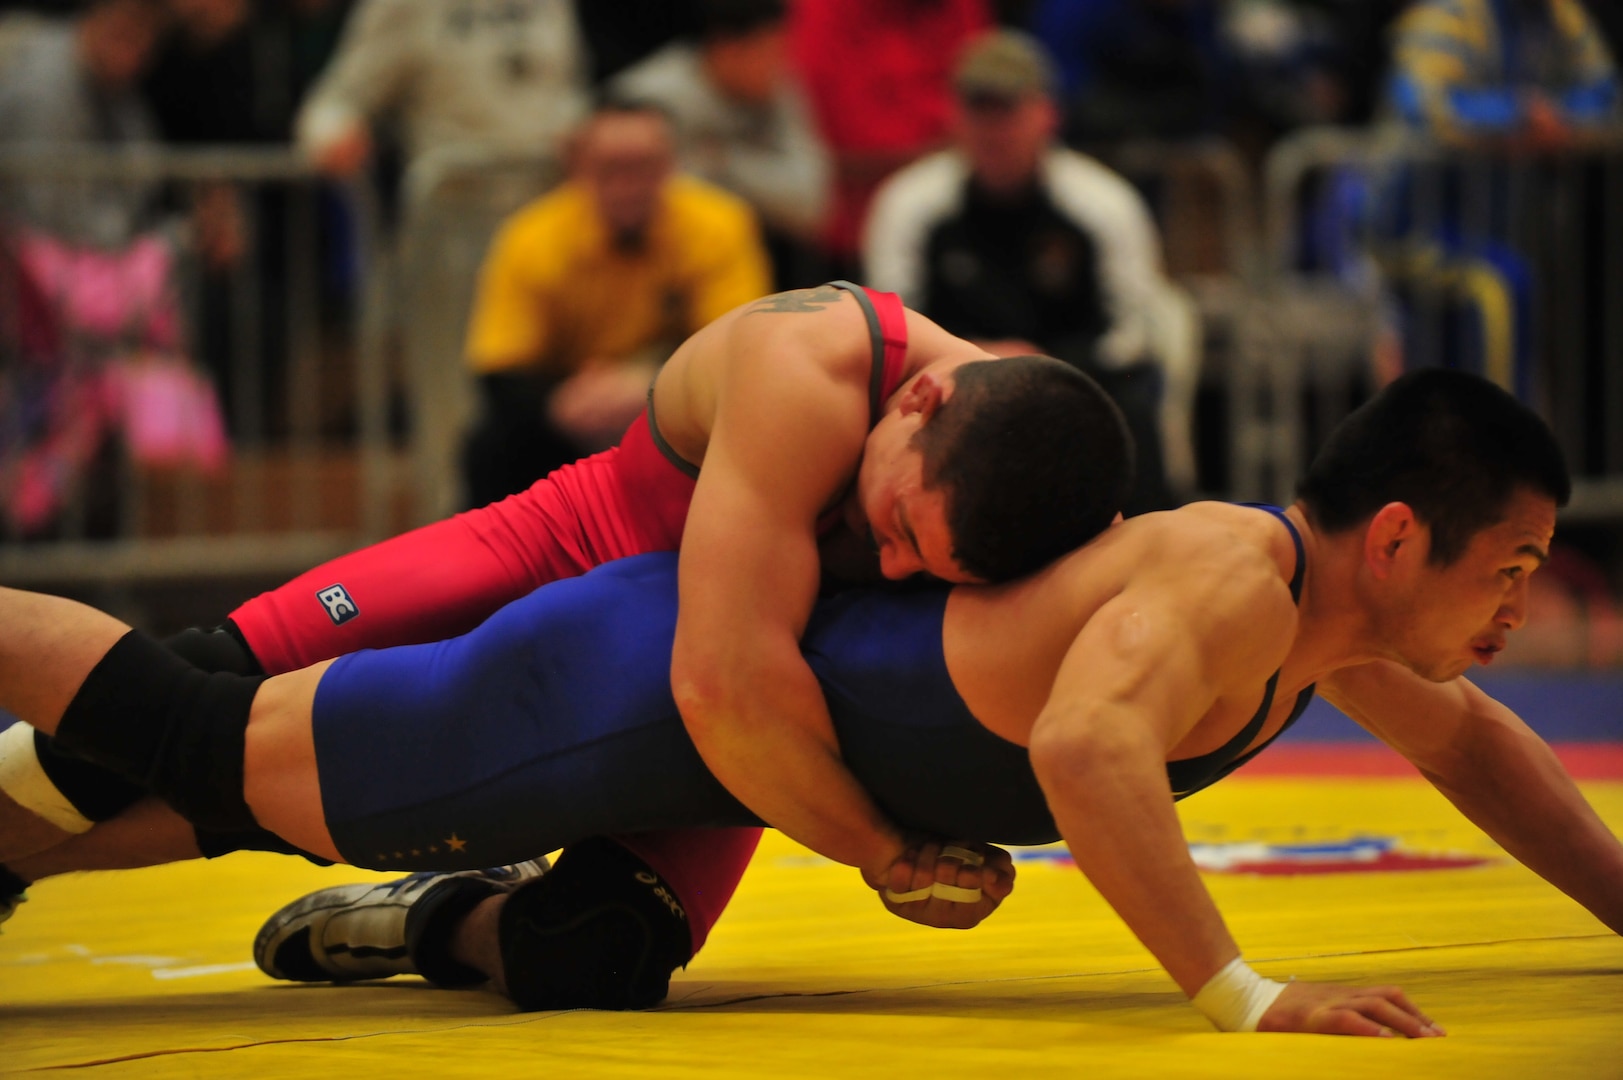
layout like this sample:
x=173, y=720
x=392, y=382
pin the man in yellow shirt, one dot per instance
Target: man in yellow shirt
x=587, y=290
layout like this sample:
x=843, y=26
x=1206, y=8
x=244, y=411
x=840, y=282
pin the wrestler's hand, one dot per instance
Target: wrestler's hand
x=932, y=862
x=1328, y=1009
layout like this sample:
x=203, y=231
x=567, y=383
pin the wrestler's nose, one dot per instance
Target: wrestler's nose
x=1513, y=612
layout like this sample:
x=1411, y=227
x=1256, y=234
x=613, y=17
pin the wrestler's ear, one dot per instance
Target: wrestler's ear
x=923, y=395
x=1391, y=537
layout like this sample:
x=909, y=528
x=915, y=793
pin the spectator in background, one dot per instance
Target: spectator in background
x=74, y=82
x=587, y=290
x=234, y=71
x=1136, y=67
x=93, y=311
x=741, y=124
x=1027, y=247
x=1536, y=70
x=230, y=75
x=1353, y=34
x=203, y=85
x=1479, y=245
x=623, y=32
x=490, y=74
x=878, y=75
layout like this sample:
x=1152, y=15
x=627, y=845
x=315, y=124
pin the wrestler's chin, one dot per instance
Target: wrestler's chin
x=1443, y=671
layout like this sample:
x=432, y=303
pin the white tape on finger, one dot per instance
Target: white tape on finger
x=963, y=855
x=908, y=897
x=955, y=893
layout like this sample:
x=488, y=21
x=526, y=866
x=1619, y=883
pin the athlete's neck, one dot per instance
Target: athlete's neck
x=1334, y=628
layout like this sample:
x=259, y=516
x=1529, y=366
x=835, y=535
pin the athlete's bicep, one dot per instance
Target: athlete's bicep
x=786, y=439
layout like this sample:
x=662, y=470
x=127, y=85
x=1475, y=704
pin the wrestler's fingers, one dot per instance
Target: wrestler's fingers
x=959, y=873
x=1384, y=1008
x=957, y=914
x=993, y=875
x=948, y=872
x=926, y=865
x=1351, y=1022
x=999, y=875
x=999, y=864
x=953, y=871
x=1402, y=1001
x=913, y=874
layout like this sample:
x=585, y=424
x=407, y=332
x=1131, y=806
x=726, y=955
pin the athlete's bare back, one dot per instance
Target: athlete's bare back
x=1005, y=644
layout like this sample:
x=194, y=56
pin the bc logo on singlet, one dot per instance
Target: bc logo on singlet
x=339, y=604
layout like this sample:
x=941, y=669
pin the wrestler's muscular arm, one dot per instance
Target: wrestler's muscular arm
x=790, y=422
x=1147, y=667
x=1497, y=771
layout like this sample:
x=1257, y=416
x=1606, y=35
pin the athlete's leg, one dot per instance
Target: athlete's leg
x=146, y=834
x=281, y=782
x=703, y=866
x=48, y=796
x=24, y=832
x=119, y=698
x=48, y=646
x=429, y=584
x=601, y=930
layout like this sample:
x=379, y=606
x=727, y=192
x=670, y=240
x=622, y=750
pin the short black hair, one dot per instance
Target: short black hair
x=1453, y=446
x=737, y=18
x=613, y=102
x=1035, y=458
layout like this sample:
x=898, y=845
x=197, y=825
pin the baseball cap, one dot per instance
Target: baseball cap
x=1004, y=64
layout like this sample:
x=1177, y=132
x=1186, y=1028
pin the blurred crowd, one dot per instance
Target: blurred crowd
x=712, y=151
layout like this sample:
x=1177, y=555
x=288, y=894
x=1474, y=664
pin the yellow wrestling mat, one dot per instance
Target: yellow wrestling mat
x=147, y=973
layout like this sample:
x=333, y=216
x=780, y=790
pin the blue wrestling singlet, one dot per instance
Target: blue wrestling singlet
x=554, y=721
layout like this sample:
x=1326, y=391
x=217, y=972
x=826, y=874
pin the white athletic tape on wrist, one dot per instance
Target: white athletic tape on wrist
x=23, y=778
x=1236, y=997
x=956, y=893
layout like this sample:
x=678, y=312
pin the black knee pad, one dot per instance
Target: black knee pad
x=600, y=930
x=220, y=649
x=160, y=723
x=98, y=793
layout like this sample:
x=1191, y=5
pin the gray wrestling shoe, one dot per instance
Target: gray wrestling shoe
x=370, y=930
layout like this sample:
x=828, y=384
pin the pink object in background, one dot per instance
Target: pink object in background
x=113, y=295
x=169, y=413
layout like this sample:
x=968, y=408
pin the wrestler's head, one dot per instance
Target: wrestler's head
x=743, y=47
x=1450, y=488
x=986, y=470
x=116, y=39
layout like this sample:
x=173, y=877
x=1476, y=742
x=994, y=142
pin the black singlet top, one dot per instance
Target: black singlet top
x=907, y=735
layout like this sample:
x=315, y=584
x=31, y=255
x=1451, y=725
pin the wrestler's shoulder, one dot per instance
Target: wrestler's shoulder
x=821, y=326
x=1205, y=547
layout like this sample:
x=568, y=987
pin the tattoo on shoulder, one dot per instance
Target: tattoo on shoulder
x=799, y=300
